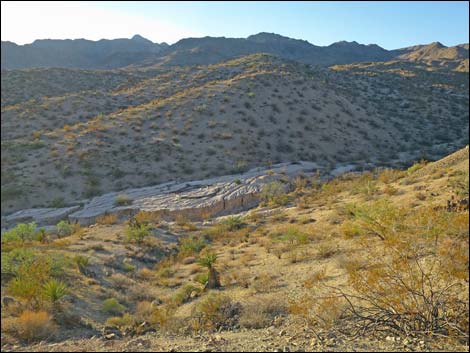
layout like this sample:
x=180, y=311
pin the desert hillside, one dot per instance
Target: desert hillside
x=376, y=260
x=69, y=135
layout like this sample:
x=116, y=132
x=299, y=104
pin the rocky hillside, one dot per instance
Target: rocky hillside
x=356, y=261
x=436, y=54
x=69, y=135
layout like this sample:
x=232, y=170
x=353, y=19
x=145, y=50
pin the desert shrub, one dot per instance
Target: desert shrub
x=107, y=219
x=137, y=232
x=299, y=182
x=22, y=232
x=377, y=218
x=122, y=200
x=326, y=250
x=64, y=229
x=390, y=175
x=191, y=245
x=34, y=326
x=12, y=260
x=415, y=167
x=233, y=223
x=143, y=311
x=29, y=280
x=163, y=316
x=350, y=229
x=415, y=282
x=145, y=217
x=184, y=293
x=126, y=320
x=213, y=312
x=459, y=183
x=120, y=281
x=58, y=202
x=225, y=228
x=261, y=312
x=292, y=235
x=128, y=266
x=202, y=278
x=390, y=190
x=112, y=306
x=274, y=193
x=81, y=262
x=264, y=283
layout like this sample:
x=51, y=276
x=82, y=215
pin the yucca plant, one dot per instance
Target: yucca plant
x=207, y=260
x=54, y=290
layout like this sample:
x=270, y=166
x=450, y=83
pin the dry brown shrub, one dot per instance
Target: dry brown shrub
x=261, y=312
x=263, y=283
x=107, y=219
x=34, y=326
x=145, y=217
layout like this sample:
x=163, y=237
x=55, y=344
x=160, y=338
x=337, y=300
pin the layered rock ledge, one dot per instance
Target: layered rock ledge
x=194, y=200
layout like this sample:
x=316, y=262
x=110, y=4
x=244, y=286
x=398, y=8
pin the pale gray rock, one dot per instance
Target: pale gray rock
x=41, y=216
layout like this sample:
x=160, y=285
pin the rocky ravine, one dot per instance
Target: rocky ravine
x=195, y=200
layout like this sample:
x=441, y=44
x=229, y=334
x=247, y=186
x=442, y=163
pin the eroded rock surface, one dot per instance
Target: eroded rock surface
x=41, y=216
x=195, y=200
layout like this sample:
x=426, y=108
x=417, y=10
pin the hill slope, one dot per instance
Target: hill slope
x=137, y=127
x=282, y=267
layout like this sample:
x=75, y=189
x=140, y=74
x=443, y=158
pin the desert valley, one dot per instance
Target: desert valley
x=234, y=194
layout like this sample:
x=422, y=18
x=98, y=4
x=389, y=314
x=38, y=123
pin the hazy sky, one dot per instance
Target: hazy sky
x=389, y=24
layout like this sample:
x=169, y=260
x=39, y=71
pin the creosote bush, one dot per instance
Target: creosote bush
x=413, y=279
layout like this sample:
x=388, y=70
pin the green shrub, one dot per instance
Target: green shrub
x=12, y=260
x=22, y=232
x=292, y=235
x=274, y=193
x=112, y=306
x=64, y=229
x=191, y=245
x=233, y=223
x=184, y=293
x=137, y=233
x=202, y=278
x=58, y=202
x=29, y=280
x=415, y=167
x=128, y=267
x=81, y=261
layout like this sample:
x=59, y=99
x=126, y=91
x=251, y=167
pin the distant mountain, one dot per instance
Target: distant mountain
x=210, y=50
x=78, y=53
x=138, y=51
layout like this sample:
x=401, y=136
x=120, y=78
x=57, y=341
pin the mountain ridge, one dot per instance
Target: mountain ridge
x=121, y=52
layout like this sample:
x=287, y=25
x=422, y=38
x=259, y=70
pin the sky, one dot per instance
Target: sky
x=391, y=25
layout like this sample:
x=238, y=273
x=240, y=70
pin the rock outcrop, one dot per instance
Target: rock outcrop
x=194, y=200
